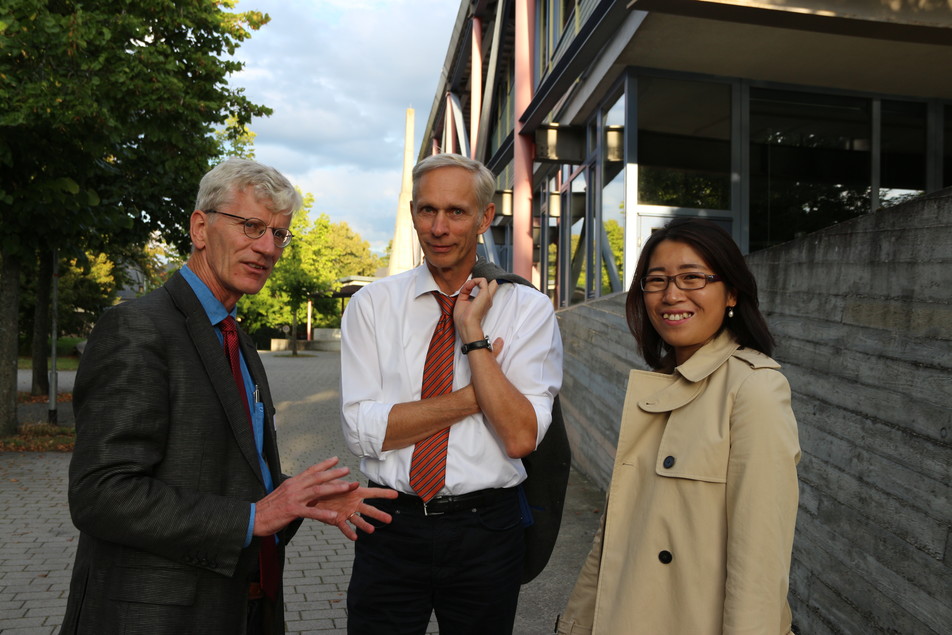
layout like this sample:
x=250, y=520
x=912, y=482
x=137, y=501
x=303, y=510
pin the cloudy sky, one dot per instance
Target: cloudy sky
x=340, y=75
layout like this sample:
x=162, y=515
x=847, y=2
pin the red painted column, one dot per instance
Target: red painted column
x=524, y=146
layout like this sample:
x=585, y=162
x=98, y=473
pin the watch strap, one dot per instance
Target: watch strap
x=472, y=346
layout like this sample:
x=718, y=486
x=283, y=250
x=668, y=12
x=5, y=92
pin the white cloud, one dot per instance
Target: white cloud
x=365, y=199
x=340, y=75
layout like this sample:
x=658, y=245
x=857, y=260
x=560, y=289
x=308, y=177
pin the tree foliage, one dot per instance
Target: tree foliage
x=87, y=287
x=109, y=112
x=321, y=253
x=106, y=128
x=614, y=234
x=236, y=140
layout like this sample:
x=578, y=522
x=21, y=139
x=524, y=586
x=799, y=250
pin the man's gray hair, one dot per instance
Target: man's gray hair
x=234, y=175
x=484, y=181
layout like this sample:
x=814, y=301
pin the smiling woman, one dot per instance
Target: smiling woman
x=689, y=313
x=697, y=534
x=693, y=246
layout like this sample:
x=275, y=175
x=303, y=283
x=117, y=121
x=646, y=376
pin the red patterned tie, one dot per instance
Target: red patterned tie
x=268, y=556
x=428, y=466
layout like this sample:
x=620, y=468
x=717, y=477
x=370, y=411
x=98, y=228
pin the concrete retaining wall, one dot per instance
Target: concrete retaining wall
x=599, y=352
x=862, y=313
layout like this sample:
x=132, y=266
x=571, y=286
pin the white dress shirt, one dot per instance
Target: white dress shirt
x=385, y=333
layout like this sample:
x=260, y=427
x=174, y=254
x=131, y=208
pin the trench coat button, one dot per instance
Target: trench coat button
x=668, y=462
x=665, y=557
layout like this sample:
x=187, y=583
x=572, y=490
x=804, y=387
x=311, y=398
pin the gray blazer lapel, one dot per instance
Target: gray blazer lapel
x=258, y=375
x=210, y=351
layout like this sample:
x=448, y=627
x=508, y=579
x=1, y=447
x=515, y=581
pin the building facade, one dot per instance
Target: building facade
x=604, y=119
x=799, y=126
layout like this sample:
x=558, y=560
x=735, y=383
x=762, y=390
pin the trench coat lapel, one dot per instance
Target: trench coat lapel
x=676, y=394
x=687, y=382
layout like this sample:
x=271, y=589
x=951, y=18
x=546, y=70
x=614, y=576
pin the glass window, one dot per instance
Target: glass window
x=544, y=44
x=613, y=197
x=902, y=159
x=591, y=136
x=947, y=150
x=809, y=163
x=552, y=17
x=574, y=216
x=567, y=11
x=684, y=153
x=548, y=244
x=502, y=126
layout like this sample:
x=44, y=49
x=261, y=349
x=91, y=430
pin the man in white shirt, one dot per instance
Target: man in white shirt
x=456, y=542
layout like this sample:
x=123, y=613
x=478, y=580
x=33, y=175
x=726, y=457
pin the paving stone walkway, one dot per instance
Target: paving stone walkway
x=36, y=555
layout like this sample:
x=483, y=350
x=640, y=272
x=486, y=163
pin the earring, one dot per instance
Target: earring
x=730, y=311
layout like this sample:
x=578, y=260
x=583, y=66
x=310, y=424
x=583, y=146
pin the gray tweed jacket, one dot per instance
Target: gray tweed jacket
x=163, y=474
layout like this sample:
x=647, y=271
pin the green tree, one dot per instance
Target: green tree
x=87, y=286
x=341, y=253
x=107, y=125
x=236, y=140
x=35, y=316
x=321, y=253
x=299, y=272
x=348, y=253
x=615, y=234
x=140, y=269
x=296, y=275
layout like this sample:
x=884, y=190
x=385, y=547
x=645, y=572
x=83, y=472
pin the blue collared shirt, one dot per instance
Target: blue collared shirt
x=217, y=312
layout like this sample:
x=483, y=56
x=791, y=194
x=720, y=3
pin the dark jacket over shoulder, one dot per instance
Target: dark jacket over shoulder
x=163, y=474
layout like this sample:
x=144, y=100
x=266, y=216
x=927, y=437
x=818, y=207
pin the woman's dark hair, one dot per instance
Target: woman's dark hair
x=722, y=255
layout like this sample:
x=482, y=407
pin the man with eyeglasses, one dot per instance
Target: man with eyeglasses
x=175, y=483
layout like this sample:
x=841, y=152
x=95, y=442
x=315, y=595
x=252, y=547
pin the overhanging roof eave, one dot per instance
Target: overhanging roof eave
x=584, y=49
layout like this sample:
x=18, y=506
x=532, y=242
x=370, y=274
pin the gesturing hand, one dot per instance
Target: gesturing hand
x=295, y=497
x=350, y=507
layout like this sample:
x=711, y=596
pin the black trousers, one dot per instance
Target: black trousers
x=260, y=617
x=465, y=565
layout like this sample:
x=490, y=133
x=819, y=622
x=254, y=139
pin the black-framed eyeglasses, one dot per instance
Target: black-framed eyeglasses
x=691, y=281
x=255, y=228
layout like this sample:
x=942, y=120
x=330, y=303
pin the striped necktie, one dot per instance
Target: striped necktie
x=428, y=465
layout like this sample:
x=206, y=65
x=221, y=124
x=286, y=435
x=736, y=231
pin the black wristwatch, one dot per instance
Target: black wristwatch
x=472, y=346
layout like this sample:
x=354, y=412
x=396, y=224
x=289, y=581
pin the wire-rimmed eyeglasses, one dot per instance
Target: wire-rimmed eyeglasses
x=255, y=228
x=691, y=281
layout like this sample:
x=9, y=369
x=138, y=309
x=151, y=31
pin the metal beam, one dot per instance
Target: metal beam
x=460, y=127
x=482, y=141
x=560, y=144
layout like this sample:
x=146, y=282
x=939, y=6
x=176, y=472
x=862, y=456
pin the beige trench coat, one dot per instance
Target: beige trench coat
x=697, y=534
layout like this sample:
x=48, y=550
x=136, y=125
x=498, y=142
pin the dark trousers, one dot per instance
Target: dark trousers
x=465, y=565
x=260, y=617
